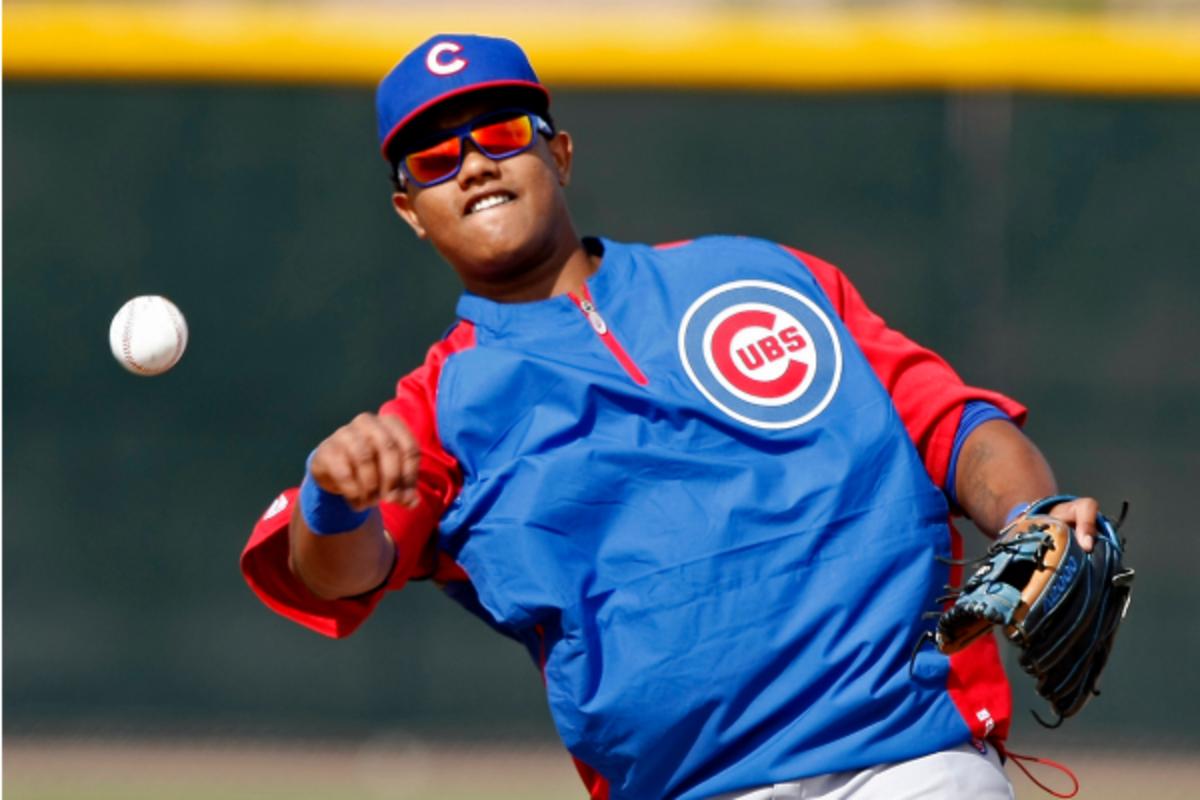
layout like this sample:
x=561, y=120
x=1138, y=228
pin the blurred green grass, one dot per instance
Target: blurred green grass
x=411, y=770
x=49, y=769
x=126, y=792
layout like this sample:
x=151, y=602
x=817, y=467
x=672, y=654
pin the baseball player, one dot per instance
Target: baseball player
x=702, y=483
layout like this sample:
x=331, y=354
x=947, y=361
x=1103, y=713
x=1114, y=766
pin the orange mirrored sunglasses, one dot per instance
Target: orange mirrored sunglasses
x=497, y=134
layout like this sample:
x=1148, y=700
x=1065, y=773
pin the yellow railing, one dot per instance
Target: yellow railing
x=774, y=48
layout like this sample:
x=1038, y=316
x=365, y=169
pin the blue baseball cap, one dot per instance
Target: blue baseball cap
x=445, y=66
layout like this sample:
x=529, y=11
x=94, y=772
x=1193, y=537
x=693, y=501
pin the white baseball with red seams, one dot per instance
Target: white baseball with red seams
x=148, y=335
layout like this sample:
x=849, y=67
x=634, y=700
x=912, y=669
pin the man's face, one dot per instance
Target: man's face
x=494, y=219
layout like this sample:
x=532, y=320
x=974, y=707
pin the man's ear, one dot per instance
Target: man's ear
x=404, y=207
x=562, y=150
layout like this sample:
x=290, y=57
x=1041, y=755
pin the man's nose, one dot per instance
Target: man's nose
x=476, y=166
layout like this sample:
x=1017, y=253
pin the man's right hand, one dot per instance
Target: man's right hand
x=374, y=458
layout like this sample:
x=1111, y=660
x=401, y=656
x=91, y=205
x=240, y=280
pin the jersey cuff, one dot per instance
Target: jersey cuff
x=974, y=414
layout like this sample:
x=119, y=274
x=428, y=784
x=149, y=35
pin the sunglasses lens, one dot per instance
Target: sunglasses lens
x=495, y=138
x=434, y=163
x=505, y=136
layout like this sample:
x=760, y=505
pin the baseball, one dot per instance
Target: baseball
x=148, y=335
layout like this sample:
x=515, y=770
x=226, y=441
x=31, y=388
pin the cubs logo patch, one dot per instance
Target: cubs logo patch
x=762, y=353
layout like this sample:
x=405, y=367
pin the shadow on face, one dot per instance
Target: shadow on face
x=450, y=113
x=497, y=222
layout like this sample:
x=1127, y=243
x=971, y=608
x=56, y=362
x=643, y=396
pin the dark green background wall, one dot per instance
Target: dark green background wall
x=1048, y=246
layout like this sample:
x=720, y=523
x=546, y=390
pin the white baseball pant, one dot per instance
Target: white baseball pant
x=961, y=773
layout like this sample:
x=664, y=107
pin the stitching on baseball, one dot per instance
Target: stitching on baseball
x=126, y=338
x=180, y=334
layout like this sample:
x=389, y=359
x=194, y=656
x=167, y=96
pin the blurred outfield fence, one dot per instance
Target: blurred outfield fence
x=1019, y=189
x=1075, y=45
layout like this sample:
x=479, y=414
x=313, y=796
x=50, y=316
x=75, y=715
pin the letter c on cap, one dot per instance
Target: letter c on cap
x=433, y=60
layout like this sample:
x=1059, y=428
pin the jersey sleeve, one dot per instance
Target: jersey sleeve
x=264, y=560
x=264, y=566
x=927, y=393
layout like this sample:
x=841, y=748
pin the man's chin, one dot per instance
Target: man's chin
x=500, y=258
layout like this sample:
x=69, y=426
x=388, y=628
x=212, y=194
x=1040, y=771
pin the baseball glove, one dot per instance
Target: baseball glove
x=1059, y=604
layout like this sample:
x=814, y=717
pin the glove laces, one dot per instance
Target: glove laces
x=952, y=592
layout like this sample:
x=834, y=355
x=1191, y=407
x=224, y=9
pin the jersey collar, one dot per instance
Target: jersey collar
x=540, y=316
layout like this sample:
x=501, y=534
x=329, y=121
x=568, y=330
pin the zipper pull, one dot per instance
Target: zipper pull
x=584, y=302
x=593, y=316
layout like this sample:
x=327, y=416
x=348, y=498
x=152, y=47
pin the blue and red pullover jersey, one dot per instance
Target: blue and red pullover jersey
x=705, y=493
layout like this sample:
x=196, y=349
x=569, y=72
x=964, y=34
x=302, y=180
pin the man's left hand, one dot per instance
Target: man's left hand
x=1080, y=514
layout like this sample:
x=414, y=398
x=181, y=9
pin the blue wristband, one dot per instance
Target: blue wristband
x=324, y=512
x=1038, y=506
x=1017, y=511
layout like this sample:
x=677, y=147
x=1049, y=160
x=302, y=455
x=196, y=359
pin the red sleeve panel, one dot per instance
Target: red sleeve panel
x=928, y=394
x=929, y=397
x=440, y=477
x=265, y=567
x=264, y=561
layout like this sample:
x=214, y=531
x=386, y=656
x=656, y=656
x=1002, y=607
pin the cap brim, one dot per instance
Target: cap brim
x=464, y=90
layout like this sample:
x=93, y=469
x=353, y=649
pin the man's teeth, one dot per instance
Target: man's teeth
x=490, y=201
